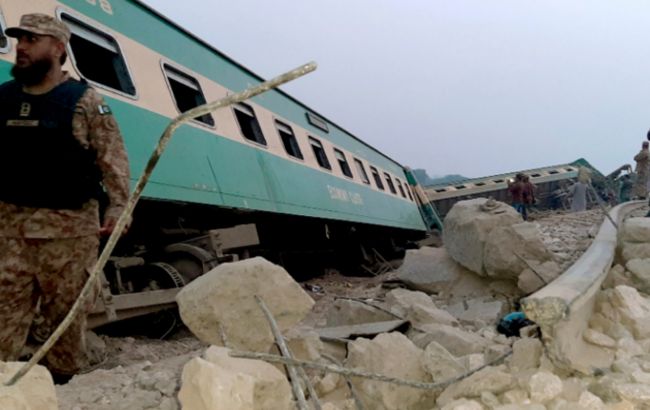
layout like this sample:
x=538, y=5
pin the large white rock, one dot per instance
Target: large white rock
x=417, y=307
x=225, y=296
x=639, y=274
x=429, y=270
x=490, y=379
x=526, y=354
x=457, y=341
x=35, y=391
x=391, y=354
x=505, y=247
x=218, y=381
x=632, y=250
x=635, y=230
x=440, y=364
x=544, y=386
x=625, y=305
x=468, y=225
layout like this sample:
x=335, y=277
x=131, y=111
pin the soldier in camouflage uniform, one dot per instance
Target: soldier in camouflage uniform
x=59, y=147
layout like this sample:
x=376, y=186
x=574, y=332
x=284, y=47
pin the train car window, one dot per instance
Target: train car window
x=317, y=122
x=362, y=171
x=377, y=178
x=408, y=191
x=389, y=181
x=343, y=163
x=288, y=139
x=248, y=123
x=187, y=92
x=401, y=190
x=5, y=44
x=98, y=57
x=319, y=153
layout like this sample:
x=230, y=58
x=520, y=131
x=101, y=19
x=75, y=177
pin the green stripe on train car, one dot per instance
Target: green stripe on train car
x=135, y=22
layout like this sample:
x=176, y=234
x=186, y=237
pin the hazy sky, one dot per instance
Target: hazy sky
x=475, y=87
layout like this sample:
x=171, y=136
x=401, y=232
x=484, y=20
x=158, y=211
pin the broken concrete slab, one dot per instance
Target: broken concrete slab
x=457, y=341
x=494, y=380
x=391, y=354
x=417, y=307
x=364, y=329
x=218, y=381
x=479, y=310
x=468, y=225
x=35, y=391
x=225, y=297
x=345, y=312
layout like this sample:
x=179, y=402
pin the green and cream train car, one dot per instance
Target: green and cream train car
x=269, y=176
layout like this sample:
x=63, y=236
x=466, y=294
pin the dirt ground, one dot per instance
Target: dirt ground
x=143, y=373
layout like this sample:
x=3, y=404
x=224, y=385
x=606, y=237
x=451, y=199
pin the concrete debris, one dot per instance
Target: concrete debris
x=467, y=227
x=365, y=329
x=225, y=297
x=457, y=341
x=441, y=364
x=417, y=307
x=626, y=306
x=430, y=270
x=35, y=391
x=346, y=312
x=218, y=381
x=391, y=354
x=526, y=354
x=494, y=380
x=479, y=311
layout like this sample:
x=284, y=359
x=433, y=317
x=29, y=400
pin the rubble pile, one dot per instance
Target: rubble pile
x=441, y=331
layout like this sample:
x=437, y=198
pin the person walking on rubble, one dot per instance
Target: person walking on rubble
x=528, y=195
x=60, y=145
x=642, y=170
x=516, y=191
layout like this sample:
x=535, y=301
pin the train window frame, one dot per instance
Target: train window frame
x=362, y=171
x=317, y=121
x=99, y=38
x=389, y=182
x=4, y=49
x=173, y=72
x=242, y=109
x=408, y=190
x=344, y=165
x=401, y=189
x=289, y=140
x=319, y=153
x=377, y=177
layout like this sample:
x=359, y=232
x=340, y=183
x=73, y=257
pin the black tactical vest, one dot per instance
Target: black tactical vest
x=41, y=163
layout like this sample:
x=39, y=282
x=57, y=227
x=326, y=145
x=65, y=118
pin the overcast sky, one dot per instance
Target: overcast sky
x=473, y=87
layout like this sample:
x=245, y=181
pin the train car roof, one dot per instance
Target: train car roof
x=209, y=46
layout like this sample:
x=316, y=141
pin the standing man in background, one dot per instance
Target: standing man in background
x=642, y=170
x=59, y=148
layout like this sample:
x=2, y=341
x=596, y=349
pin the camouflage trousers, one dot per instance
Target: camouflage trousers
x=45, y=275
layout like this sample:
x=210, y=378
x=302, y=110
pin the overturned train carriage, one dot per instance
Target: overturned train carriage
x=266, y=177
x=551, y=184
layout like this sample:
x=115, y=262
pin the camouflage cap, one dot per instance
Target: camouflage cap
x=42, y=24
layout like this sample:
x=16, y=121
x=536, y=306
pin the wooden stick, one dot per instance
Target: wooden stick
x=361, y=373
x=125, y=216
x=291, y=369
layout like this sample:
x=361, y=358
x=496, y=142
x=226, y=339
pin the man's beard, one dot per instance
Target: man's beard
x=32, y=74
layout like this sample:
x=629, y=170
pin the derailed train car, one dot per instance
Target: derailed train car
x=266, y=177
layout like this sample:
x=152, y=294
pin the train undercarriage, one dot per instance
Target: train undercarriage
x=171, y=243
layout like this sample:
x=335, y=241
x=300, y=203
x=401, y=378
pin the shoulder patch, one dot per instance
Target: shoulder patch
x=104, y=109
